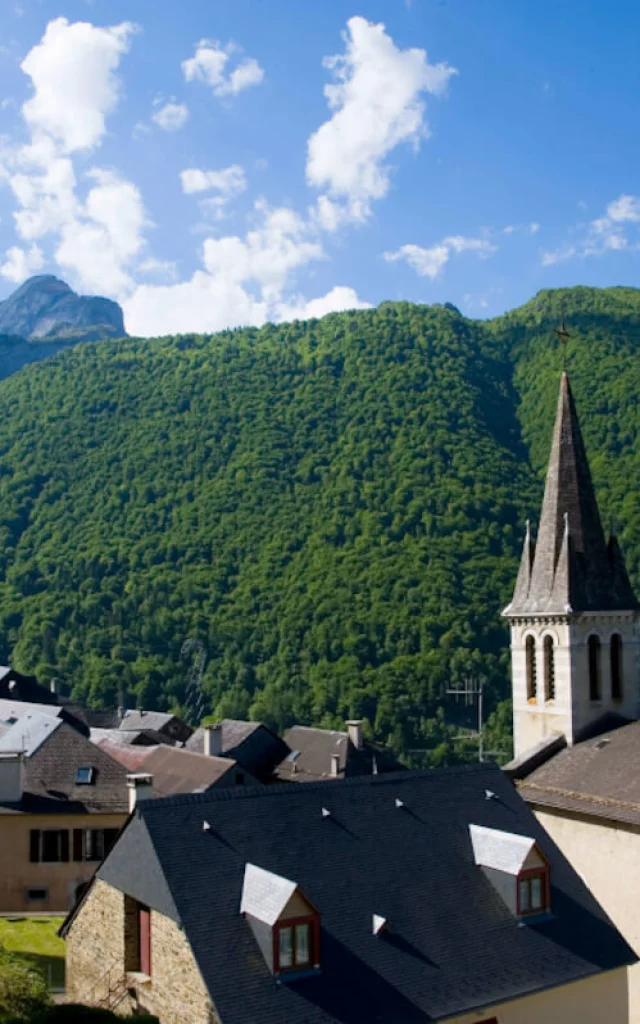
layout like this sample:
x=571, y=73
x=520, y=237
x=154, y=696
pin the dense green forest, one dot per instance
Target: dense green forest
x=335, y=508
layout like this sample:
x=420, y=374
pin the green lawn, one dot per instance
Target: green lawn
x=36, y=939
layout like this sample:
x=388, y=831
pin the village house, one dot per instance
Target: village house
x=317, y=754
x=62, y=804
x=398, y=898
x=576, y=686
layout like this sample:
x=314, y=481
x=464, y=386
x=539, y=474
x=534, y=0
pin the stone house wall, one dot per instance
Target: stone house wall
x=99, y=947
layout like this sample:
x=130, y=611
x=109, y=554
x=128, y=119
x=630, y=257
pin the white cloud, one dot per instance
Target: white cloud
x=510, y=228
x=229, y=181
x=21, y=263
x=339, y=298
x=171, y=117
x=100, y=243
x=615, y=231
x=534, y=228
x=377, y=98
x=73, y=73
x=430, y=262
x=242, y=281
x=209, y=65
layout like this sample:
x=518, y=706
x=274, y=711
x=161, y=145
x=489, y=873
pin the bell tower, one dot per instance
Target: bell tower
x=573, y=617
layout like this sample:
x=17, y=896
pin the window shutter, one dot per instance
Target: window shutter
x=77, y=844
x=64, y=845
x=34, y=846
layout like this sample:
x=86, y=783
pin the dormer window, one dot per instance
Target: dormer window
x=285, y=923
x=515, y=866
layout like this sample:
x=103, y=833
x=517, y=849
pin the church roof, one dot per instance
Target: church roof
x=571, y=568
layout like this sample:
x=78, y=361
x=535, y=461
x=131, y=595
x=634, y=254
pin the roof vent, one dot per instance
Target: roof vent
x=206, y=827
x=379, y=924
x=603, y=743
x=326, y=813
x=489, y=795
x=399, y=803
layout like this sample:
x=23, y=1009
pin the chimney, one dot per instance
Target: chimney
x=53, y=686
x=11, y=776
x=140, y=788
x=354, y=725
x=121, y=713
x=335, y=765
x=213, y=740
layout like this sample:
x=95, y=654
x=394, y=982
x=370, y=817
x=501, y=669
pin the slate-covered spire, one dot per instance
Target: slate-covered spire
x=572, y=569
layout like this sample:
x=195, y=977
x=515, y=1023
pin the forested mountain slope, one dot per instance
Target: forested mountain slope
x=334, y=507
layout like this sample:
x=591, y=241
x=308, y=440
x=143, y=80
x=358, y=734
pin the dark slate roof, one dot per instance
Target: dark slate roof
x=156, y=721
x=312, y=750
x=570, y=568
x=13, y=709
x=15, y=686
x=183, y=771
x=599, y=776
x=94, y=718
x=251, y=744
x=49, y=779
x=452, y=945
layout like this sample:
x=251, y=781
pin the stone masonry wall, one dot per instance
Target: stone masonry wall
x=96, y=945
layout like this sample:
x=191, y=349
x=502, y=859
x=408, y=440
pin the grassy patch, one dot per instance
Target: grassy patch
x=36, y=939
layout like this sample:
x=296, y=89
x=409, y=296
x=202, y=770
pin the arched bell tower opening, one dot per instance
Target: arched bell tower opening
x=573, y=616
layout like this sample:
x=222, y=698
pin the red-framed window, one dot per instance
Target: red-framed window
x=533, y=891
x=144, y=939
x=296, y=944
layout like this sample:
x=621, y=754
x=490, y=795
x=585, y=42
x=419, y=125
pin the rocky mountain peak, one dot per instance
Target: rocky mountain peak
x=44, y=307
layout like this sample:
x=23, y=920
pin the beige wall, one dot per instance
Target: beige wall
x=175, y=991
x=598, y=1000
x=607, y=856
x=17, y=873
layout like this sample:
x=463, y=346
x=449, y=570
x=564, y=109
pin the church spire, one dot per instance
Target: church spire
x=572, y=569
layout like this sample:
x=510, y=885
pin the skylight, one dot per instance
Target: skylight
x=85, y=776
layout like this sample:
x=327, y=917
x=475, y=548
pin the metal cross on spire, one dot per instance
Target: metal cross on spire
x=564, y=336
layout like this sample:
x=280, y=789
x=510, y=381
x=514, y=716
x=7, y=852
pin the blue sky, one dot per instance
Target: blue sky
x=212, y=163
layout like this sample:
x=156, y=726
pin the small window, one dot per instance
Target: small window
x=532, y=893
x=49, y=846
x=85, y=776
x=549, y=669
x=595, y=692
x=294, y=946
x=532, y=679
x=616, y=666
x=37, y=895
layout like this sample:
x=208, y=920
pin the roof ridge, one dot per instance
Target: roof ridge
x=325, y=785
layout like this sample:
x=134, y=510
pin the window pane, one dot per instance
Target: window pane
x=51, y=846
x=536, y=893
x=303, y=955
x=524, y=896
x=285, y=952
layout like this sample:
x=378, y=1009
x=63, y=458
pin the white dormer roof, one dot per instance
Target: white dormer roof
x=504, y=851
x=265, y=895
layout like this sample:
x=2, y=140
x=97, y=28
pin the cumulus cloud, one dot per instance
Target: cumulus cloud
x=240, y=281
x=376, y=96
x=21, y=263
x=171, y=117
x=339, y=298
x=209, y=64
x=430, y=262
x=229, y=181
x=73, y=73
x=616, y=230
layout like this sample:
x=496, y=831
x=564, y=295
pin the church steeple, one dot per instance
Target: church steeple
x=574, y=642
x=573, y=570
